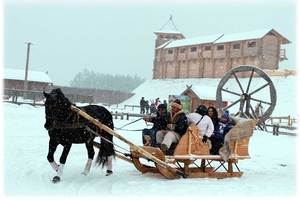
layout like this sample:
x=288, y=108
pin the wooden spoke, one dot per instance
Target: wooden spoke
x=231, y=92
x=226, y=108
x=265, y=85
x=261, y=101
x=242, y=106
x=246, y=116
x=237, y=80
x=254, y=113
x=250, y=79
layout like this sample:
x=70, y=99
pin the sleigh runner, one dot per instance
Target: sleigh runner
x=191, y=156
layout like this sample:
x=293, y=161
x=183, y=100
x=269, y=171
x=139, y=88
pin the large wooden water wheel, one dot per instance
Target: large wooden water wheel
x=252, y=97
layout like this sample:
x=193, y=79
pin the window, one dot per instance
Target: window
x=251, y=43
x=207, y=48
x=170, y=51
x=193, y=49
x=182, y=50
x=236, y=46
x=220, y=47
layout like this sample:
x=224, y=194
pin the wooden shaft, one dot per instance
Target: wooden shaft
x=114, y=133
x=118, y=155
x=190, y=142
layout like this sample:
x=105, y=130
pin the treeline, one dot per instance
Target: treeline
x=91, y=79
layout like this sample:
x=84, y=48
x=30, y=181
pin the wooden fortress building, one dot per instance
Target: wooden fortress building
x=212, y=56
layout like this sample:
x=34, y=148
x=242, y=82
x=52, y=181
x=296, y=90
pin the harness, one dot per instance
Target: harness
x=71, y=122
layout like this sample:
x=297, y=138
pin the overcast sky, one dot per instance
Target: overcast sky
x=117, y=37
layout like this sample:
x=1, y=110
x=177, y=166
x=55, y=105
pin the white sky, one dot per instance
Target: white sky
x=117, y=36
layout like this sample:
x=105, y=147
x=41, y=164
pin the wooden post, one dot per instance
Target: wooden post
x=122, y=116
x=230, y=169
x=26, y=70
x=127, y=116
x=116, y=115
x=202, y=165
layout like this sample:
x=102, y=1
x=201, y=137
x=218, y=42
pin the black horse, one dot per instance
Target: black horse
x=66, y=127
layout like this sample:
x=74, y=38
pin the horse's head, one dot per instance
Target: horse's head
x=56, y=107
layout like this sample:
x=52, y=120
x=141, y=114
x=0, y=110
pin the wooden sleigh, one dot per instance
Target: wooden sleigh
x=191, y=157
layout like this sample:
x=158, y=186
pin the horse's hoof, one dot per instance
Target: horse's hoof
x=84, y=173
x=108, y=172
x=56, y=179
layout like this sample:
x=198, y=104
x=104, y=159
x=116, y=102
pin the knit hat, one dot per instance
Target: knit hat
x=176, y=104
x=225, y=115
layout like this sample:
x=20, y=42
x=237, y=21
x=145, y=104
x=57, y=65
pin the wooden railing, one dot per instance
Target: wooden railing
x=36, y=95
x=126, y=116
x=288, y=120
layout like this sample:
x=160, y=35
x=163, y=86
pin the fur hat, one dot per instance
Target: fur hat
x=176, y=104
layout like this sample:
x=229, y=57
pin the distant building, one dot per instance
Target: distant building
x=212, y=56
x=198, y=96
x=38, y=81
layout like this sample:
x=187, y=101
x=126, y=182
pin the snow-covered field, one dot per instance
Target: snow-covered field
x=271, y=171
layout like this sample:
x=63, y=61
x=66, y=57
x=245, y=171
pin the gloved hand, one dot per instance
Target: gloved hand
x=204, y=139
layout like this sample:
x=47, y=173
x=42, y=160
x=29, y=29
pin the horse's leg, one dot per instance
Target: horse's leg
x=91, y=153
x=50, y=157
x=62, y=161
x=109, y=165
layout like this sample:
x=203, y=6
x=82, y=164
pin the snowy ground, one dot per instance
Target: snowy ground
x=271, y=171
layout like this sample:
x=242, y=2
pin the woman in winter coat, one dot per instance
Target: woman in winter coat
x=217, y=138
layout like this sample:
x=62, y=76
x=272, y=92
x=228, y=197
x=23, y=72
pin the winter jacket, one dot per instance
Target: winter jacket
x=161, y=122
x=180, y=123
x=223, y=129
x=204, y=123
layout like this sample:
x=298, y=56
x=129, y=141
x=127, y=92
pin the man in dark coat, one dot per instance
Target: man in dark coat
x=142, y=105
x=176, y=128
x=159, y=121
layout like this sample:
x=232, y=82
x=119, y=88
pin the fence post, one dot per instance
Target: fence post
x=116, y=115
x=127, y=116
x=122, y=116
x=289, y=121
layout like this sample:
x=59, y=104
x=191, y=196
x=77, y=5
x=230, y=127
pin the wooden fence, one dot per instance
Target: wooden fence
x=126, y=116
x=287, y=120
x=35, y=96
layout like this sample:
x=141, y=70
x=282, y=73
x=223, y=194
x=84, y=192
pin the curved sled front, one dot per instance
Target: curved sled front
x=136, y=156
x=165, y=171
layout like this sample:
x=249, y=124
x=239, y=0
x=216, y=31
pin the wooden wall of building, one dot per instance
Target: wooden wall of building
x=181, y=62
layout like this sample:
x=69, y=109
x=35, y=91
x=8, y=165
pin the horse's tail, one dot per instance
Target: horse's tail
x=106, y=150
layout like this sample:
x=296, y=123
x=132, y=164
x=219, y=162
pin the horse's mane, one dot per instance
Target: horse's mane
x=57, y=105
